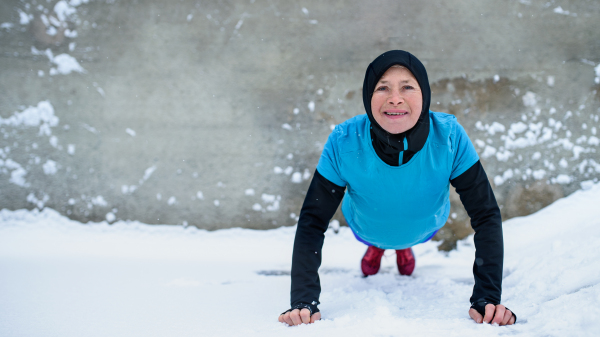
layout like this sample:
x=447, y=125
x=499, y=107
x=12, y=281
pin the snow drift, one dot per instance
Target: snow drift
x=63, y=278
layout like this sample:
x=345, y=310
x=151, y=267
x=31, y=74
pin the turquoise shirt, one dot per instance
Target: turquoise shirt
x=396, y=207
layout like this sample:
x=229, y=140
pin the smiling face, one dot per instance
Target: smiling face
x=397, y=100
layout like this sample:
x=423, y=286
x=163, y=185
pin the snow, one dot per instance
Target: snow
x=488, y=151
x=65, y=64
x=499, y=180
x=110, y=217
x=50, y=167
x=130, y=132
x=24, y=18
x=529, y=99
x=539, y=174
x=64, y=278
x=99, y=201
x=562, y=179
x=296, y=178
x=559, y=10
x=496, y=127
x=18, y=173
x=63, y=10
x=148, y=173
x=41, y=115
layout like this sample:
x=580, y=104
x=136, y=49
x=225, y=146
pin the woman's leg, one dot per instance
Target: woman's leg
x=405, y=258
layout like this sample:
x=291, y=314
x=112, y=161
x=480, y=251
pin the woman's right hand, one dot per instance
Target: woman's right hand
x=297, y=317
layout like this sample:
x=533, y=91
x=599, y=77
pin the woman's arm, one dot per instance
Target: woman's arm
x=322, y=200
x=478, y=199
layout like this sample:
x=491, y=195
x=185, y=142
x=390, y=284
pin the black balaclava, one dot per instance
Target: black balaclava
x=388, y=146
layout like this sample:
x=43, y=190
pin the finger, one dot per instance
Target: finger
x=280, y=318
x=499, y=314
x=305, y=316
x=295, y=316
x=315, y=317
x=507, y=317
x=475, y=315
x=511, y=321
x=489, y=313
x=287, y=319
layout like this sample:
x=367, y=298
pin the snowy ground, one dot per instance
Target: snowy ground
x=63, y=278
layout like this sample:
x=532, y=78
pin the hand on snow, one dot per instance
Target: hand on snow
x=494, y=314
x=297, y=317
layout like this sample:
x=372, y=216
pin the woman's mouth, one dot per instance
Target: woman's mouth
x=393, y=113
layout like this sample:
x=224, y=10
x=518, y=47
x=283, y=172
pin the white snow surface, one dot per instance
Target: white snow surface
x=65, y=64
x=64, y=278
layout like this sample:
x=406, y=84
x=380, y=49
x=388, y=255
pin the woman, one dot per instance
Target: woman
x=397, y=162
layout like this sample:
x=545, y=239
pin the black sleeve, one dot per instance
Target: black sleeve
x=478, y=199
x=321, y=202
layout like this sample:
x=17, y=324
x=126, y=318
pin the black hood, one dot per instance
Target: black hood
x=388, y=146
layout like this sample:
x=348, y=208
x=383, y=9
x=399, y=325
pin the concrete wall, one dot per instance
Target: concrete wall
x=180, y=97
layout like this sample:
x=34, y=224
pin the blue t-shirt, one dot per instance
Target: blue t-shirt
x=396, y=207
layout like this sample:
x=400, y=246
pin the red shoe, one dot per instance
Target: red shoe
x=405, y=258
x=371, y=261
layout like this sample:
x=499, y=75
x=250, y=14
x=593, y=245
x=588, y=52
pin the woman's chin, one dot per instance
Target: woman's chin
x=395, y=129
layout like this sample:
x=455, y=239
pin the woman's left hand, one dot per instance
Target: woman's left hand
x=494, y=314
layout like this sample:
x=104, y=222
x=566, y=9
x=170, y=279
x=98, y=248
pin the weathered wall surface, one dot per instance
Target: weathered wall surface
x=213, y=113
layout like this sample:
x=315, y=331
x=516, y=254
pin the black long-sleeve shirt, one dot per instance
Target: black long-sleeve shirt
x=323, y=198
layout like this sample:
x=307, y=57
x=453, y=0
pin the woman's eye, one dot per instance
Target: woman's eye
x=408, y=87
x=381, y=89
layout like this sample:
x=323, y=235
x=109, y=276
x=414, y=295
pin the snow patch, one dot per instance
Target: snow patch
x=50, y=167
x=17, y=174
x=41, y=115
x=99, y=201
x=63, y=10
x=562, y=179
x=529, y=99
x=39, y=203
x=65, y=64
x=560, y=10
x=110, y=217
x=296, y=177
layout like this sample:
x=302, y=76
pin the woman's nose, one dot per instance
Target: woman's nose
x=395, y=98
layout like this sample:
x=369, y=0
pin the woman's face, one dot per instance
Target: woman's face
x=397, y=100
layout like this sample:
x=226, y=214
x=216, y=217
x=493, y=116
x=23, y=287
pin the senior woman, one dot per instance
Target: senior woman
x=397, y=163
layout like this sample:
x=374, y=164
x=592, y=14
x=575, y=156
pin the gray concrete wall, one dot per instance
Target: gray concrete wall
x=217, y=94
